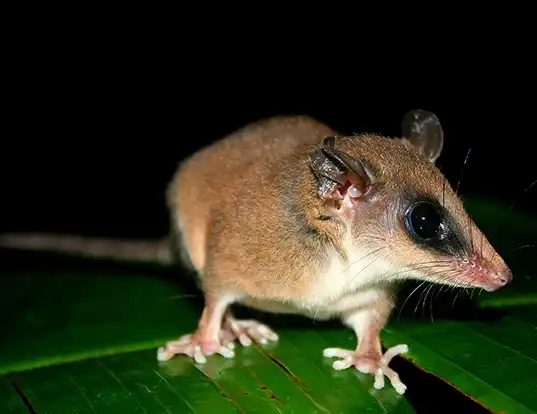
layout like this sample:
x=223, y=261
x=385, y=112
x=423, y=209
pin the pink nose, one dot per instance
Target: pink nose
x=506, y=277
x=500, y=280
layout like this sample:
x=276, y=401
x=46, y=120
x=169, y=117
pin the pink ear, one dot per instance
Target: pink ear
x=336, y=172
x=348, y=203
x=354, y=187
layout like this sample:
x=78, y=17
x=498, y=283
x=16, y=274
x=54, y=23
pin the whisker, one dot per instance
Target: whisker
x=440, y=290
x=446, y=275
x=523, y=193
x=443, y=268
x=420, y=299
x=431, y=305
x=456, y=296
x=424, y=298
x=443, y=276
x=421, y=266
x=520, y=197
x=362, y=258
x=365, y=267
x=418, y=266
x=371, y=237
x=470, y=284
x=462, y=170
x=524, y=247
x=408, y=297
x=178, y=297
x=431, y=287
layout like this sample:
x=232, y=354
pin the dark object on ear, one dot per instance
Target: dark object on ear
x=329, y=175
x=331, y=168
x=423, y=130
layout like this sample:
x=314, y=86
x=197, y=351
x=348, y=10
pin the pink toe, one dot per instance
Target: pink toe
x=209, y=347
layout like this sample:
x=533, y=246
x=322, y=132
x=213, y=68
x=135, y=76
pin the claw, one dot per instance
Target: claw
x=193, y=347
x=368, y=365
x=247, y=331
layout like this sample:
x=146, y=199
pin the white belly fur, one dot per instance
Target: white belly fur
x=339, y=287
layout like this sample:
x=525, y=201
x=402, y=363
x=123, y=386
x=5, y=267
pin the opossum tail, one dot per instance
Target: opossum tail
x=149, y=251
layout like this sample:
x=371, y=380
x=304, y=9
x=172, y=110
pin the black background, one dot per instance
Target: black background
x=95, y=129
x=97, y=114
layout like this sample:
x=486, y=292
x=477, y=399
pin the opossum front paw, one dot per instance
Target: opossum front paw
x=193, y=346
x=246, y=331
x=370, y=363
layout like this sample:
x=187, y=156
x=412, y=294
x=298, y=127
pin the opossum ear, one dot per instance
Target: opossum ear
x=423, y=130
x=335, y=171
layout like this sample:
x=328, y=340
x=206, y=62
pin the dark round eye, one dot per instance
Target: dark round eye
x=423, y=220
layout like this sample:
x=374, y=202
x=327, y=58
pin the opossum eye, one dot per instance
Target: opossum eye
x=423, y=220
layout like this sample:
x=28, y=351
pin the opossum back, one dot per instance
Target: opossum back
x=217, y=173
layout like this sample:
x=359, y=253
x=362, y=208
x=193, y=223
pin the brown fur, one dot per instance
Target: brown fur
x=248, y=212
x=218, y=195
x=248, y=218
x=262, y=229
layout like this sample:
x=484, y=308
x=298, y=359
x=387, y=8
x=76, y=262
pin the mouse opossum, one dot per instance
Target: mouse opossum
x=285, y=215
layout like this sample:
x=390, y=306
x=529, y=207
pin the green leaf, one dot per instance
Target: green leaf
x=83, y=335
x=93, y=334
